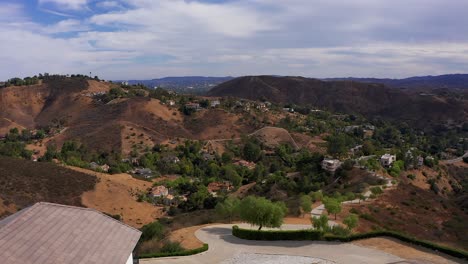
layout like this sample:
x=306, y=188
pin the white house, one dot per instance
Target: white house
x=215, y=103
x=54, y=233
x=331, y=165
x=387, y=159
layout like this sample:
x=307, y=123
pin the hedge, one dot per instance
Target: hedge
x=309, y=234
x=306, y=234
x=176, y=254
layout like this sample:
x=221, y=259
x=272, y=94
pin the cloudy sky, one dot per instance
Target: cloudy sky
x=140, y=39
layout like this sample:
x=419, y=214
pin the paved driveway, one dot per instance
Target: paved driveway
x=224, y=246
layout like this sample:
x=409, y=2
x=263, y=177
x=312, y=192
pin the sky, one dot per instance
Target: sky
x=144, y=39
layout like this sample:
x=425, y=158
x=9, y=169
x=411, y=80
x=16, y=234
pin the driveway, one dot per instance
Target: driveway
x=224, y=246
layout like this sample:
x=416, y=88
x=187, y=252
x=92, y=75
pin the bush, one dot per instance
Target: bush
x=271, y=235
x=171, y=247
x=411, y=176
x=376, y=190
x=173, y=254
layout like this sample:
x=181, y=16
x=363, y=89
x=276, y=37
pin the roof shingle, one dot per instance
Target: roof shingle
x=53, y=233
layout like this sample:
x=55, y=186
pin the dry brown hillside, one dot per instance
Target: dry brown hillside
x=121, y=125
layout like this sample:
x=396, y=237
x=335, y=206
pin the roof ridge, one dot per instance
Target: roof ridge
x=89, y=209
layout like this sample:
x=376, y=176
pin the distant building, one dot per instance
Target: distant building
x=171, y=159
x=248, y=164
x=356, y=149
x=171, y=102
x=145, y=173
x=331, y=165
x=194, y=106
x=387, y=160
x=159, y=191
x=420, y=161
x=54, y=233
x=207, y=156
x=95, y=166
x=287, y=109
x=215, y=103
x=215, y=187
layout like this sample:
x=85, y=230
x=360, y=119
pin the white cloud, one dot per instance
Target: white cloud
x=317, y=38
x=67, y=4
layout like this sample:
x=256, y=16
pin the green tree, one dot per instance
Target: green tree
x=351, y=221
x=320, y=223
x=262, y=212
x=252, y=151
x=229, y=208
x=333, y=206
x=153, y=230
x=306, y=204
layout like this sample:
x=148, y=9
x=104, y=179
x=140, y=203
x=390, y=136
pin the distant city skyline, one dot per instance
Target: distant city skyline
x=146, y=39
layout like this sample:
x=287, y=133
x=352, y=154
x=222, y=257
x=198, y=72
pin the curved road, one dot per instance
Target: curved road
x=224, y=246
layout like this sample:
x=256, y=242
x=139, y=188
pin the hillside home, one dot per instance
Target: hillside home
x=287, y=109
x=171, y=102
x=144, y=172
x=159, y=191
x=355, y=150
x=243, y=163
x=54, y=233
x=194, y=106
x=387, y=160
x=331, y=165
x=171, y=159
x=215, y=187
x=215, y=103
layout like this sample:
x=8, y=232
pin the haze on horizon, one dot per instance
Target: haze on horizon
x=143, y=39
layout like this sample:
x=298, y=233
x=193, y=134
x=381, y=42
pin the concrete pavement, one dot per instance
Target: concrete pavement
x=224, y=246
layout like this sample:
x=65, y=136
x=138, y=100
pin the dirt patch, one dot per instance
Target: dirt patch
x=116, y=195
x=404, y=250
x=186, y=236
x=274, y=136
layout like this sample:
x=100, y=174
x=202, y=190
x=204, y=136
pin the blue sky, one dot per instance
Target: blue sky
x=140, y=39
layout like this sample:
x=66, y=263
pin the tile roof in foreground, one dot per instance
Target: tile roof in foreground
x=53, y=233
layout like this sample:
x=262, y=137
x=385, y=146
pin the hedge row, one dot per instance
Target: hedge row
x=176, y=254
x=444, y=249
x=310, y=234
x=307, y=234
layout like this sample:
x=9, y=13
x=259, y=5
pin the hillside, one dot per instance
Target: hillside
x=23, y=183
x=186, y=84
x=71, y=106
x=369, y=99
x=447, y=81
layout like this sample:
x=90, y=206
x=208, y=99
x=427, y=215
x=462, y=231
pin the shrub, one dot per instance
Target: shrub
x=411, y=176
x=173, y=254
x=271, y=235
x=376, y=190
x=171, y=247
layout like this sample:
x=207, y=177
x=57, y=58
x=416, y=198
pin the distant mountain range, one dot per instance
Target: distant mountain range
x=187, y=84
x=448, y=81
x=349, y=96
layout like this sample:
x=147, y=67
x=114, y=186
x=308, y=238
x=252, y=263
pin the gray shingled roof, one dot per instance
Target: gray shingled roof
x=53, y=233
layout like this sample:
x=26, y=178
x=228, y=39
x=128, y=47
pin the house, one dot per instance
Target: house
x=215, y=103
x=207, y=156
x=287, y=109
x=54, y=233
x=171, y=102
x=95, y=166
x=331, y=165
x=215, y=187
x=194, y=106
x=419, y=161
x=171, y=159
x=387, y=159
x=144, y=172
x=356, y=149
x=159, y=191
x=243, y=163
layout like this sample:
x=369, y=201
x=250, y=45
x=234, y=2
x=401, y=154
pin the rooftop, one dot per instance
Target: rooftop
x=53, y=233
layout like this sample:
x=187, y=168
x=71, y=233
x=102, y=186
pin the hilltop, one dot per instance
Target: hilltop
x=369, y=99
x=446, y=81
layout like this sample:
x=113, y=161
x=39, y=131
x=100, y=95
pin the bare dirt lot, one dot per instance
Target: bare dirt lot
x=116, y=195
